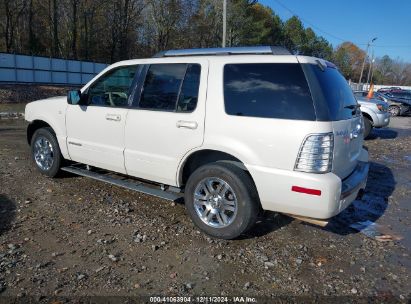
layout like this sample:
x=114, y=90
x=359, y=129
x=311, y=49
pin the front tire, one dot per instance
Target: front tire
x=394, y=110
x=45, y=152
x=221, y=199
x=367, y=127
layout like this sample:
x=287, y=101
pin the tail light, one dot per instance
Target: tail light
x=316, y=154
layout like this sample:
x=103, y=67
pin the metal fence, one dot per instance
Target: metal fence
x=366, y=86
x=32, y=69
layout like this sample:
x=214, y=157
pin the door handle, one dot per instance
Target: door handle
x=187, y=124
x=113, y=117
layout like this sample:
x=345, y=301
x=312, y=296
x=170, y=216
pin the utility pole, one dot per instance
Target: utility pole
x=370, y=69
x=365, y=58
x=224, y=22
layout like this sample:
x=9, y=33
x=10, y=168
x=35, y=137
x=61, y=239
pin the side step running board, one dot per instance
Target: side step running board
x=131, y=185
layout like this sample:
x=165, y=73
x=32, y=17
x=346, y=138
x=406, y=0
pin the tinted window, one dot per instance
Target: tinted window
x=333, y=96
x=187, y=100
x=161, y=86
x=112, y=88
x=267, y=90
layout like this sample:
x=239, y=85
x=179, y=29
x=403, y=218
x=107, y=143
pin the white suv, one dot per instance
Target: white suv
x=237, y=130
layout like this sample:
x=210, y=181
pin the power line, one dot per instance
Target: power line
x=308, y=22
x=332, y=35
x=392, y=46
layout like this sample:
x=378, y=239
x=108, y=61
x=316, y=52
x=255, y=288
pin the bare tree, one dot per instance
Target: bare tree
x=164, y=19
x=54, y=20
x=112, y=30
x=74, y=5
x=13, y=9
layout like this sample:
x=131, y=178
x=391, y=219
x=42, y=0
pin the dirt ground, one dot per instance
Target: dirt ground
x=23, y=93
x=73, y=236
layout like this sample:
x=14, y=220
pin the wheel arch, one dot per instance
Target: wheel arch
x=34, y=126
x=198, y=158
x=369, y=117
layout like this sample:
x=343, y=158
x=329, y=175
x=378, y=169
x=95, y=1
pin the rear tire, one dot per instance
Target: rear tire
x=394, y=110
x=221, y=199
x=45, y=152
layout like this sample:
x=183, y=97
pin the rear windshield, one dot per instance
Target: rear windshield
x=268, y=90
x=333, y=97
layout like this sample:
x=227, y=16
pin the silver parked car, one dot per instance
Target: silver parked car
x=396, y=107
x=375, y=113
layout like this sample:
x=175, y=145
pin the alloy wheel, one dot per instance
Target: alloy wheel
x=215, y=202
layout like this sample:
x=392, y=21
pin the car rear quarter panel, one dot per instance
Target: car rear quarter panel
x=262, y=144
x=265, y=142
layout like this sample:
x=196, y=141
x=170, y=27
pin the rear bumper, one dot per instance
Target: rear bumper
x=275, y=190
x=382, y=120
x=354, y=182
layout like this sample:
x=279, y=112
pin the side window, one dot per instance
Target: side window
x=112, y=88
x=161, y=86
x=269, y=90
x=187, y=100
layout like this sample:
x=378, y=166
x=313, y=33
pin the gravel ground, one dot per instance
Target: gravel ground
x=73, y=236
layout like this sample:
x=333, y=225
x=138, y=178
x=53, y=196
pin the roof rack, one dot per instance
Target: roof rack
x=252, y=50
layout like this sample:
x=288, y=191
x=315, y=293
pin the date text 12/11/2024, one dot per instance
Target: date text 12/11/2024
x=203, y=299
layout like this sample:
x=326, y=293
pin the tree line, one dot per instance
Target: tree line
x=384, y=70
x=113, y=30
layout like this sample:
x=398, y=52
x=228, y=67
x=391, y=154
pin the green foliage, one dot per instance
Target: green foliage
x=342, y=60
x=264, y=27
x=294, y=35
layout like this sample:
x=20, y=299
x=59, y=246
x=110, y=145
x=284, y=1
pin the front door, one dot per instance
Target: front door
x=167, y=121
x=95, y=128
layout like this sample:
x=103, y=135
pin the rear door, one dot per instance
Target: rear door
x=335, y=101
x=166, y=120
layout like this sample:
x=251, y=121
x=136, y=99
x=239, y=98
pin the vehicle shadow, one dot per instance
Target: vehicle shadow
x=267, y=222
x=371, y=207
x=382, y=134
x=7, y=213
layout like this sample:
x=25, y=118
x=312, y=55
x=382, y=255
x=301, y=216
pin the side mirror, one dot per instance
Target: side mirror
x=73, y=97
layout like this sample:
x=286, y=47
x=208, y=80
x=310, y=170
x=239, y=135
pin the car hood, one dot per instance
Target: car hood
x=371, y=101
x=40, y=109
x=55, y=97
x=50, y=99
